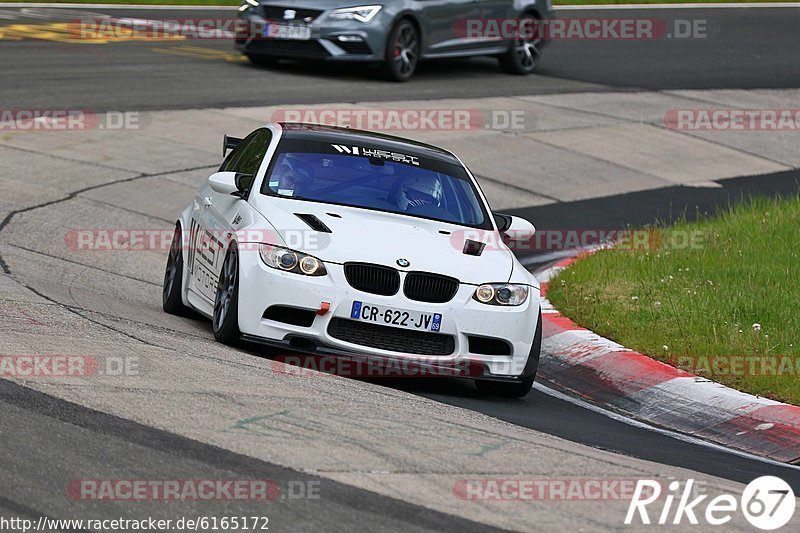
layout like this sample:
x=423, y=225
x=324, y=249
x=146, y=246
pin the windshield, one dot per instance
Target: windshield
x=375, y=179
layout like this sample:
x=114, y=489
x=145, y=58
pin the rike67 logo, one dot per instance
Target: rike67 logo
x=767, y=502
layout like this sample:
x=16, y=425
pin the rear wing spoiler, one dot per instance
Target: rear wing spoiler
x=229, y=143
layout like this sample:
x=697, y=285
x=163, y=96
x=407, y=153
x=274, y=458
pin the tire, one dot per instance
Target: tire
x=521, y=389
x=402, y=51
x=225, y=319
x=171, y=297
x=263, y=61
x=524, y=53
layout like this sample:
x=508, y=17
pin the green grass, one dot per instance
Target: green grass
x=673, y=301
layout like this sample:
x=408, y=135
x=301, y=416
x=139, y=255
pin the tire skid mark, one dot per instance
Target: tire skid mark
x=72, y=195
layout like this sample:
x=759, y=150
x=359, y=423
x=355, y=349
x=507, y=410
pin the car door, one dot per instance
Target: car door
x=216, y=215
x=441, y=20
x=497, y=11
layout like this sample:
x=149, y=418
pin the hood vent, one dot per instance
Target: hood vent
x=473, y=247
x=313, y=222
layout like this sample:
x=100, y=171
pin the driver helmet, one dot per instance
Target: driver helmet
x=290, y=181
x=418, y=191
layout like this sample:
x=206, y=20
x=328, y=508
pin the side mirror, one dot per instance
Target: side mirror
x=503, y=221
x=515, y=228
x=228, y=182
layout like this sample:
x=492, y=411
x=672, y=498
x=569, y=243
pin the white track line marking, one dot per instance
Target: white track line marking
x=641, y=425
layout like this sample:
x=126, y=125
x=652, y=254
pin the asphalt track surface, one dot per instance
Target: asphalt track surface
x=752, y=49
x=743, y=49
x=90, y=441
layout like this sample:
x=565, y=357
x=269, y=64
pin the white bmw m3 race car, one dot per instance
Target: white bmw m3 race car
x=338, y=242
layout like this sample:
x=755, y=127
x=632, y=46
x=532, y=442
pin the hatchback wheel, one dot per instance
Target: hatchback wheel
x=523, y=55
x=402, y=51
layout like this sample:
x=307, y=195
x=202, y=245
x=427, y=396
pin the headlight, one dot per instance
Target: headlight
x=501, y=294
x=291, y=261
x=360, y=13
x=484, y=294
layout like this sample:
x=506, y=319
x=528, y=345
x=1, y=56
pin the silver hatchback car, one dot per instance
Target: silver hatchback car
x=394, y=33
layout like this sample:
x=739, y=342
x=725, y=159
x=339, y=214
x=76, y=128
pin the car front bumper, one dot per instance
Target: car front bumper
x=463, y=319
x=337, y=40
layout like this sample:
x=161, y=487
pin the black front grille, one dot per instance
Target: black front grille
x=432, y=288
x=391, y=339
x=278, y=13
x=288, y=48
x=374, y=279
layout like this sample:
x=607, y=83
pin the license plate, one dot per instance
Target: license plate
x=399, y=318
x=282, y=31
